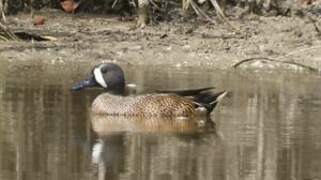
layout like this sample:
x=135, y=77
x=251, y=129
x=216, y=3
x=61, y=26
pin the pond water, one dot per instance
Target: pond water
x=269, y=127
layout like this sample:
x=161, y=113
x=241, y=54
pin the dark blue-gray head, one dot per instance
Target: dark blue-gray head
x=108, y=76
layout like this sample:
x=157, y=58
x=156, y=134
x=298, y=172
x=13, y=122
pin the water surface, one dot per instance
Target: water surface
x=268, y=128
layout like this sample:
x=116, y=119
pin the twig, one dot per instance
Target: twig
x=2, y=27
x=218, y=8
x=222, y=15
x=3, y=38
x=200, y=12
x=2, y=11
x=312, y=69
x=185, y=5
x=7, y=34
x=317, y=29
x=114, y=4
x=3, y=16
x=155, y=5
x=132, y=2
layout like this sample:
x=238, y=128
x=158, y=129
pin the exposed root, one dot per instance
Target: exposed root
x=312, y=69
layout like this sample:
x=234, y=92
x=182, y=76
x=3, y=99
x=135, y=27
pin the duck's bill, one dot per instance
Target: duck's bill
x=90, y=82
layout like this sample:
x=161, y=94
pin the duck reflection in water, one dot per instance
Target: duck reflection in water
x=154, y=150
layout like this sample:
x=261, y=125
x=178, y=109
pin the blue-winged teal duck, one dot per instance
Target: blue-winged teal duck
x=180, y=104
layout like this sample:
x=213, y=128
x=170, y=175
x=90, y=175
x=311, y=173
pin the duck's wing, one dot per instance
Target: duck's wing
x=204, y=97
x=188, y=92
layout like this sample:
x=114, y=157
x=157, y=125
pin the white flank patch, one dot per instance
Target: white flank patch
x=201, y=109
x=97, y=149
x=99, y=76
x=220, y=97
x=131, y=85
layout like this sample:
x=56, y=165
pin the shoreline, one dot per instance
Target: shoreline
x=83, y=38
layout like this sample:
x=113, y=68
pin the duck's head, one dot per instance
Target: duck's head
x=108, y=76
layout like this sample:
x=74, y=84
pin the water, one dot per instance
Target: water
x=268, y=128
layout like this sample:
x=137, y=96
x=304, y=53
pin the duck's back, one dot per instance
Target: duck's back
x=167, y=105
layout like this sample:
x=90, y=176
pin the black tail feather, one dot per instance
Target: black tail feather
x=191, y=92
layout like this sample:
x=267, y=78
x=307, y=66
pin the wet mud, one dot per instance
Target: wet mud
x=97, y=38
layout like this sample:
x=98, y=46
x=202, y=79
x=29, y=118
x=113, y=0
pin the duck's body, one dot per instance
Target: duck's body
x=164, y=105
x=170, y=104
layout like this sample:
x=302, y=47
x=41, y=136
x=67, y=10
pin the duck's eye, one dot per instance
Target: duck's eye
x=103, y=70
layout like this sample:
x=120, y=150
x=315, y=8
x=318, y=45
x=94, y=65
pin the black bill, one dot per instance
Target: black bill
x=89, y=82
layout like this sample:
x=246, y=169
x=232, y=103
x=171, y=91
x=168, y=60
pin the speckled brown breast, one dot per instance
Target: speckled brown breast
x=164, y=105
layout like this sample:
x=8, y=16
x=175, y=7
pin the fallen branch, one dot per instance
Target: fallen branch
x=37, y=46
x=7, y=35
x=312, y=69
x=300, y=50
x=32, y=36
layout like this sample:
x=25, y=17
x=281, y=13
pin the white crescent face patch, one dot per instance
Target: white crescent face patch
x=99, y=76
x=96, y=152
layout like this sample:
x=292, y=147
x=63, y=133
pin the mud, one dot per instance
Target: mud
x=97, y=38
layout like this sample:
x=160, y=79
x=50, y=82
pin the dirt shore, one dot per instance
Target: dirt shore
x=96, y=38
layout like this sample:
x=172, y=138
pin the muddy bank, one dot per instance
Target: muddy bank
x=96, y=38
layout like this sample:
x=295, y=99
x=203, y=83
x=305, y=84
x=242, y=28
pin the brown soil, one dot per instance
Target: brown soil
x=96, y=38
